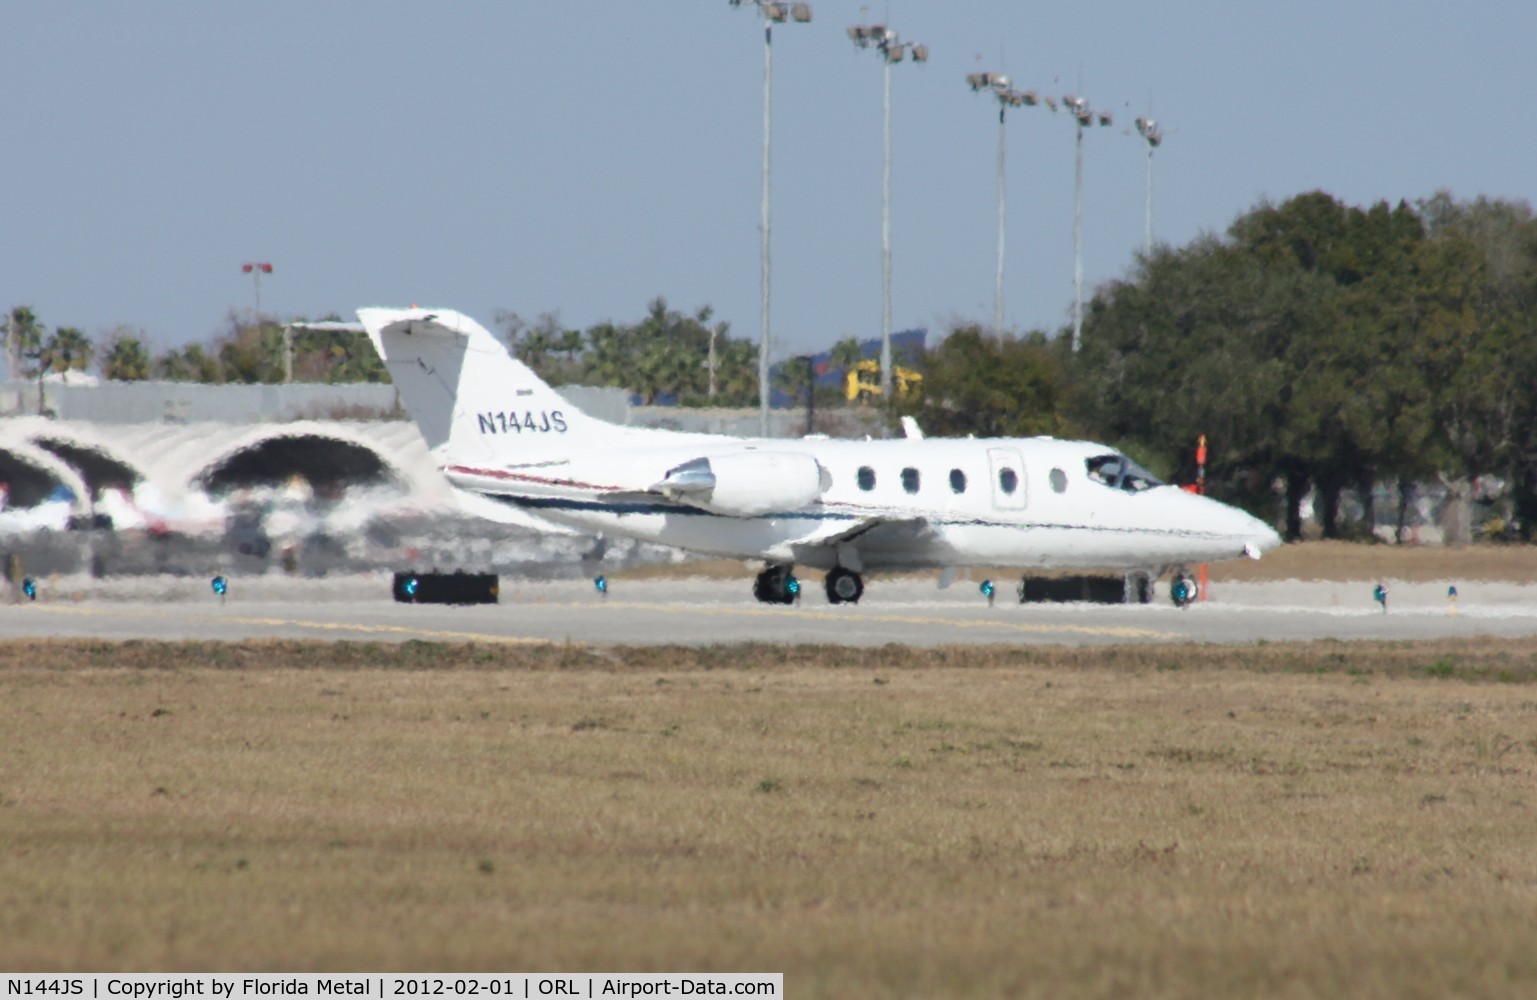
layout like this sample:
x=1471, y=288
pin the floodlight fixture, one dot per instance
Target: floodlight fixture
x=1148, y=129
x=256, y=269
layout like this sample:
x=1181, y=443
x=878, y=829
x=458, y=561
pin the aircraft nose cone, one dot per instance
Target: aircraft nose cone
x=1262, y=538
x=1252, y=536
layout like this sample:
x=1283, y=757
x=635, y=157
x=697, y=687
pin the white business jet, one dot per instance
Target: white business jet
x=846, y=507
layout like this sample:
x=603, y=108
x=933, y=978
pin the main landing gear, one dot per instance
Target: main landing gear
x=843, y=586
x=777, y=585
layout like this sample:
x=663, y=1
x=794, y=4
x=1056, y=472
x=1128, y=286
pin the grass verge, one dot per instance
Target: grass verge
x=1324, y=818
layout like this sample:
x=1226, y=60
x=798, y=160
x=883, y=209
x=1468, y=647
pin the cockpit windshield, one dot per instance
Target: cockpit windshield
x=1120, y=473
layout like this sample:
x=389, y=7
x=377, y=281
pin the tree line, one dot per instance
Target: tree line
x=1325, y=347
x=1320, y=347
x=247, y=352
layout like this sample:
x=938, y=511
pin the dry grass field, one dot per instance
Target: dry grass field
x=1278, y=820
x=1413, y=564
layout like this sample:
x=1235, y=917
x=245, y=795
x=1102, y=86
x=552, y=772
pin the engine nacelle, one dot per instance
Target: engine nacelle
x=747, y=483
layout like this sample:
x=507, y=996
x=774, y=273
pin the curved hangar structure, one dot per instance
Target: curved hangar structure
x=174, y=466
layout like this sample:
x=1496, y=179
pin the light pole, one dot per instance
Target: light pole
x=1148, y=129
x=256, y=271
x=773, y=13
x=998, y=85
x=892, y=50
x=1083, y=118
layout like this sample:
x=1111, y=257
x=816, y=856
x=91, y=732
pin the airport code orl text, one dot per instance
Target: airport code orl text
x=552, y=421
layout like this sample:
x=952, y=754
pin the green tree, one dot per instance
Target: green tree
x=252, y=352
x=331, y=356
x=1320, y=346
x=990, y=386
x=68, y=349
x=26, y=336
x=1196, y=344
x=536, y=343
x=1499, y=378
x=736, y=372
x=606, y=360
x=191, y=364
x=126, y=358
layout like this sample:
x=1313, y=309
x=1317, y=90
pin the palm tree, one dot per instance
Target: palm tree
x=736, y=373
x=608, y=361
x=126, y=358
x=25, y=339
x=534, y=348
x=69, y=349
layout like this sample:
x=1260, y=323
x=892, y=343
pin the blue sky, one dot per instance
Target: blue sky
x=584, y=156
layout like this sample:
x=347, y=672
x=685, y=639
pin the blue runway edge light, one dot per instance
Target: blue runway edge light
x=29, y=587
x=600, y=583
x=220, y=586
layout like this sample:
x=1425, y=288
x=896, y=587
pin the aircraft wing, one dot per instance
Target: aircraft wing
x=879, y=529
x=870, y=540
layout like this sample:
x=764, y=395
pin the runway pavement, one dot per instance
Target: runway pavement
x=906, y=611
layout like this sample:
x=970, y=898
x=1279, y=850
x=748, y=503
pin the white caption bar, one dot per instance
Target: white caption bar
x=394, y=986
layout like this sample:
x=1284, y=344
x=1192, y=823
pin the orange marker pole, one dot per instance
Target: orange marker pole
x=1200, y=488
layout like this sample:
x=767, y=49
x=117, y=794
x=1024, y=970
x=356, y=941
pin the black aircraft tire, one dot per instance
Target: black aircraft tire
x=844, y=586
x=774, y=586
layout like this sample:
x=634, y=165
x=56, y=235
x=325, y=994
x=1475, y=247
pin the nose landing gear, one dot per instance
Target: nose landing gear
x=1183, y=589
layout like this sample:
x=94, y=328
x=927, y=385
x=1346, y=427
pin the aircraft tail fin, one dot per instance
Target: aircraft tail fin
x=471, y=399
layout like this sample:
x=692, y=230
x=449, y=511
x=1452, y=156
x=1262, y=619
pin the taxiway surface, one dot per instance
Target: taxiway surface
x=908, y=611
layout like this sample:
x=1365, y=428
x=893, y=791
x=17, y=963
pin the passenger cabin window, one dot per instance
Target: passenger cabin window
x=1058, y=481
x=910, y=480
x=866, y=478
x=957, y=481
x=1120, y=473
x=1008, y=481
